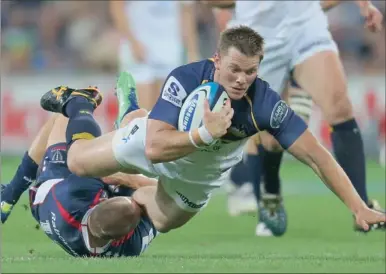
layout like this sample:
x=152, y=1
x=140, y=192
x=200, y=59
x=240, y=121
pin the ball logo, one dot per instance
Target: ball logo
x=188, y=115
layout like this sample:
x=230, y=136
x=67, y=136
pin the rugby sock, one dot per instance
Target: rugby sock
x=23, y=178
x=239, y=174
x=271, y=169
x=254, y=167
x=81, y=124
x=349, y=152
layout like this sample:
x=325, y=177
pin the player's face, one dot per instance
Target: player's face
x=236, y=72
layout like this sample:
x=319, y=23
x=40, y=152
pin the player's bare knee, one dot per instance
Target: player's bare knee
x=114, y=218
x=339, y=107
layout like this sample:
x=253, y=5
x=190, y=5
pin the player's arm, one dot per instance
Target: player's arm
x=163, y=141
x=133, y=181
x=308, y=150
x=222, y=17
x=121, y=22
x=189, y=30
x=294, y=136
x=117, y=11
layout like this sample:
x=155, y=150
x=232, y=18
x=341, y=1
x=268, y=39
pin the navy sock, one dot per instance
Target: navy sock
x=349, y=152
x=81, y=124
x=239, y=174
x=254, y=169
x=271, y=169
x=21, y=181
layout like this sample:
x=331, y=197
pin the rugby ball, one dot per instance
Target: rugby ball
x=192, y=110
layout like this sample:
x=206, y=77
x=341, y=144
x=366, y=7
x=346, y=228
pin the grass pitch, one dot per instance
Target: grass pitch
x=320, y=237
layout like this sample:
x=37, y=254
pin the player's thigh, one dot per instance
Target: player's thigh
x=58, y=132
x=93, y=158
x=323, y=78
x=40, y=143
x=97, y=157
x=319, y=71
x=187, y=198
x=128, y=148
x=161, y=208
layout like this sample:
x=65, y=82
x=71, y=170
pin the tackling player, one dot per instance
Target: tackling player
x=191, y=165
x=85, y=216
x=299, y=45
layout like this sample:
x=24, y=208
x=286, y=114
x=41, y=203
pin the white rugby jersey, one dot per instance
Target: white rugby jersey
x=276, y=18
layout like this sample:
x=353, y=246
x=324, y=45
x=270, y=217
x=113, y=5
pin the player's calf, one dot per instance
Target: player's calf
x=112, y=219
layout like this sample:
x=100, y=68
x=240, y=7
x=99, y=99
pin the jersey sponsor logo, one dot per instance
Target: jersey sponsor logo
x=132, y=132
x=279, y=112
x=29, y=180
x=189, y=203
x=62, y=242
x=173, y=92
x=146, y=240
x=57, y=157
x=46, y=227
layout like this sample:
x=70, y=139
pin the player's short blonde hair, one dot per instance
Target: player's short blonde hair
x=244, y=39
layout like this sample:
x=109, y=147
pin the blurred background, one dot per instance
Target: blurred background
x=45, y=44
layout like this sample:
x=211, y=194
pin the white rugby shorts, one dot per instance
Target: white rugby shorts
x=281, y=55
x=129, y=150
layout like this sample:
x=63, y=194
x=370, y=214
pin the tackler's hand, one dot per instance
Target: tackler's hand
x=139, y=51
x=373, y=17
x=217, y=123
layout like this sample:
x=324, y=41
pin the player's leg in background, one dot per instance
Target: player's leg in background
x=26, y=172
x=322, y=75
x=272, y=214
x=147, y=89
x=148, y=94
x=84, y=140
x=275, y=70
x=244, y=182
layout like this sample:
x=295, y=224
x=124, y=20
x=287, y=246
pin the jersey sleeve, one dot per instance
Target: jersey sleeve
x=180, y=82
x=278, y=118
